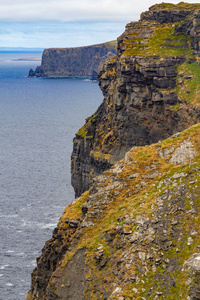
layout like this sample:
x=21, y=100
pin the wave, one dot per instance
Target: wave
x=3, y=267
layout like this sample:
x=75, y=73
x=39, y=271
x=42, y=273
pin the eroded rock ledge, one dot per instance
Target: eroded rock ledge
x=150, y=90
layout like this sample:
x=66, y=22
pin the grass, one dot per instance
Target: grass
x=111, y=44
x=170, y=6
x=83, y=132
x=162, y=43
x=189, y=89
x=73, y=211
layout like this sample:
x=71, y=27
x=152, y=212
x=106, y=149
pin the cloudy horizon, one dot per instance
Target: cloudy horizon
x=66, y=23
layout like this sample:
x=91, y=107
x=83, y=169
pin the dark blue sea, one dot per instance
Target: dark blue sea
x=38, y=120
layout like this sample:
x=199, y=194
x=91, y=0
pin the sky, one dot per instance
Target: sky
x=67, y=23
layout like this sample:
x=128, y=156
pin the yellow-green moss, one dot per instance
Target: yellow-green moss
x=83, y=132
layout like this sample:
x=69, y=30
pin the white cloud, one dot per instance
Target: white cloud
x=74, y=11
x=53, y=35
x=67, y=23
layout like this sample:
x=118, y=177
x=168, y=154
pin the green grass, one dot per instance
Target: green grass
x=164, y=42
x=170, y=6
x=111, y=44
x=189, y=90
x=83, y=132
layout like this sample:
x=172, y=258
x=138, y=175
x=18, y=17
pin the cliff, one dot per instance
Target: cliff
x=151, y=90
x=130, y=235
x=134, y=234
x=74, y=62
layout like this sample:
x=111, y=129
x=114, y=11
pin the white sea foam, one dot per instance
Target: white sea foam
x=20, y=254
x=33, y=263
x=9, y=284
x=49, y=226
x=9, y=216
x=3, y=267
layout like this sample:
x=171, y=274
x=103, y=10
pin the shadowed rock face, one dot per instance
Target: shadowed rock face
x=140, y=88
x=74, y=62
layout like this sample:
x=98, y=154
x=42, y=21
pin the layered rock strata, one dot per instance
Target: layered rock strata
x=150, y=90
x=130, y=235
x=74, y=62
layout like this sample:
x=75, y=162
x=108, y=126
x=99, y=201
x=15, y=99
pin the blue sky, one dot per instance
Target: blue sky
x=66, y=23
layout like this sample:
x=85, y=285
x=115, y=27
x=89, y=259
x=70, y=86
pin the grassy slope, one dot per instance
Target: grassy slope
x=127, y=199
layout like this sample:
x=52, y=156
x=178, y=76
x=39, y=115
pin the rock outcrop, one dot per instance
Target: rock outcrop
x=130, y=235
x=74, y=62
x=192, y=267
x=151, y=90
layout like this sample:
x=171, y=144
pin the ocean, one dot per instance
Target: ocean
x=38, y=120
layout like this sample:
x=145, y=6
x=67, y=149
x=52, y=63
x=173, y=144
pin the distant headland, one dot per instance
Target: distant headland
x=83, y=62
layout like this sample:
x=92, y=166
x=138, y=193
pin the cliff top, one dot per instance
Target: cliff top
x=166, y=31
x=179, y=6
x=110, y=45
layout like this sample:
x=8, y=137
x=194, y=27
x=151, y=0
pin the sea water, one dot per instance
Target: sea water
x=38, y=120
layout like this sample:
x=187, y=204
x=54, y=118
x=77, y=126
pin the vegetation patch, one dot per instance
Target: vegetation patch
x=73, y=210
x=164, y=42
x=170, y=6
x=188, y=83
x=88, y=129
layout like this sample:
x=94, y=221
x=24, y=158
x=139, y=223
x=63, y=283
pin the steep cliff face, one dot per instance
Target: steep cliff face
x=131, y=234
x=151, y=90
x=74, y=62
x=136, y=230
